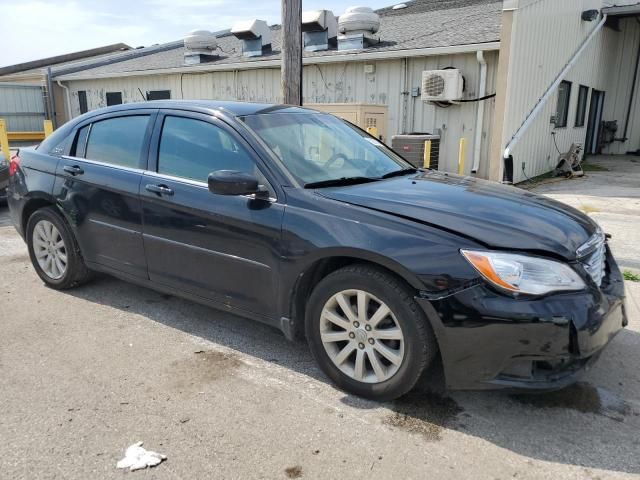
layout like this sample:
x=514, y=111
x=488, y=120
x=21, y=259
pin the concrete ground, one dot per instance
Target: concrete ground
x=85, y=373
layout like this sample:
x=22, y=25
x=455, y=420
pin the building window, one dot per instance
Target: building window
x=114, y=98
x=82, y=101
x=562, y=109
x=581, y=110
x=159, y=95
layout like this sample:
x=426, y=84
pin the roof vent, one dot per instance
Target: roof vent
x=255, y=36
x=357, y=27
x=200, y=47
x=320, y=29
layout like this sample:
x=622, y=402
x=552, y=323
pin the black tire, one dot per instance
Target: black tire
x=76, y=272
x=420, y=345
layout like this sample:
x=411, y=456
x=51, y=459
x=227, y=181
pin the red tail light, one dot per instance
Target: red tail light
x=13, y=164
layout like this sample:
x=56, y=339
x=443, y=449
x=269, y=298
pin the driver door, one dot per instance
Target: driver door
x=223, y=248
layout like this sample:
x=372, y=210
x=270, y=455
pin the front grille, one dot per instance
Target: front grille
x=592, y=256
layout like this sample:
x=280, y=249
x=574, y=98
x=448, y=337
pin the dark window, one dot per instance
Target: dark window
x=562, y=109
x=581, y=110
x=82, y=101
x=114, y=98
x=193, y=149
x=80, y=143
x=118, y=140
x=159, y=95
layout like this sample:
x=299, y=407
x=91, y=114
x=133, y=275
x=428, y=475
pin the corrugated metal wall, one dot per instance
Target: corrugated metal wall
x=332, y=83
x=546, y=33
x=22, y=106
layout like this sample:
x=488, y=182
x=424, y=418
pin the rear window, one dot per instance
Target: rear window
x=117, y=141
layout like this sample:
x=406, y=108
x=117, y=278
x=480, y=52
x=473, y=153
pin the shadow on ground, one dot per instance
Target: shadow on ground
x=583, y=425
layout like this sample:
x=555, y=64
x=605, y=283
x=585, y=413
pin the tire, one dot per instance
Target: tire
x=412, y=347
x=47, y=244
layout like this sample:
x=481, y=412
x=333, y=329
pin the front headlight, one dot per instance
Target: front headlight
x=524, y=274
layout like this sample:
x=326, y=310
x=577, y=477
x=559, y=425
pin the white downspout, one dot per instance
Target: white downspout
x=541, y=102
x=482, y=91
x=67, y=97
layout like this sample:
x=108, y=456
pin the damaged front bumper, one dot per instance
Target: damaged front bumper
x=489, y=340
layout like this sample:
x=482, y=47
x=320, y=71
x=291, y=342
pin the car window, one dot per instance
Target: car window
x=118, y=141
x=81, y=142
x=192, y=149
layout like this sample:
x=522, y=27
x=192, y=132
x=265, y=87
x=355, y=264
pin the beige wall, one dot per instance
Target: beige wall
x=333, y=83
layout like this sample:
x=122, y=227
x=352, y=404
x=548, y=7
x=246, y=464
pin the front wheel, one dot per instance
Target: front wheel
x=367, y=333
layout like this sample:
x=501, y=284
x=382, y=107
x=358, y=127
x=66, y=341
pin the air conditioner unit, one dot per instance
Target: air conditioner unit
x=442, y=85
x=411, y=148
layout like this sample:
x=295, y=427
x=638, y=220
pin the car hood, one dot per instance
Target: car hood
x=498, y=216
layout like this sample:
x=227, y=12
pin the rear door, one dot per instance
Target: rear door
x=224, y=248
x=97, y=186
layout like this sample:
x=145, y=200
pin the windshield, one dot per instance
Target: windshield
x=319, y=148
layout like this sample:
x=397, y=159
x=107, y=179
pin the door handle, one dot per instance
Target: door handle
x=73, y=169
x=159, y=189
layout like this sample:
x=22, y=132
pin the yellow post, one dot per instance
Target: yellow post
x=4, y=140
x=461, y=153
x=373, y=131
x=48, y=128
x=426, y=160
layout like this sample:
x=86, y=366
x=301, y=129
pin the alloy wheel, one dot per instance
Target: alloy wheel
x=50, y=250
x=361, y=336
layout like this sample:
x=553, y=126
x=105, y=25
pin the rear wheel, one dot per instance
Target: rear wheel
x=53, y=250
x=367, y=332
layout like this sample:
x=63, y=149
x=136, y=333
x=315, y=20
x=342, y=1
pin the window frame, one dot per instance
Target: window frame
x=565, y=107
x=581, y=113
x=154, y=149
x=106, y=98
x=142, y=161
x=82, y=102
x=150, y=92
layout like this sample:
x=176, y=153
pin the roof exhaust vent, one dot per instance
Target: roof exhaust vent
x=357, y=28
x=255, y=36
x=200, y=47
x=320, y=29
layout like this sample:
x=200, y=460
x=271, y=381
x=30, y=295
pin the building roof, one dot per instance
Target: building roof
x=36, y=66
x=423, y=24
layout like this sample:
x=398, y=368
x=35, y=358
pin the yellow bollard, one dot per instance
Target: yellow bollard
x=461, y=153
x=426, y=160
x=4, y=140
x=48, y=128
x=373, y=131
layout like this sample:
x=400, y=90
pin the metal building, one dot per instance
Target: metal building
x=562, y=73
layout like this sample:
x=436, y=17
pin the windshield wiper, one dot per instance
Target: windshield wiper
x=399, y=173
x=339, y=182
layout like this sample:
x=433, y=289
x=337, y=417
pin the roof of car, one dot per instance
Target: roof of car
x=235, y=109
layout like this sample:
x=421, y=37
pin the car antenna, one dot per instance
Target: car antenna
x=143, y=97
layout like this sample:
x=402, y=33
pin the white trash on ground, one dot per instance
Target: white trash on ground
x=136, y=458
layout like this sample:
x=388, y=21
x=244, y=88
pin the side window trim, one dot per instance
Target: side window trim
x=154, y=147
x=142, y=161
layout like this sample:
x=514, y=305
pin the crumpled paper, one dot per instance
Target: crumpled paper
x=136, y=458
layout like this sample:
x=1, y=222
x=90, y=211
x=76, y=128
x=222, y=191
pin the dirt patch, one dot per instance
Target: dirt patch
x=293, y=472
x=426, y=414
x=582, y=397
x=201, y=368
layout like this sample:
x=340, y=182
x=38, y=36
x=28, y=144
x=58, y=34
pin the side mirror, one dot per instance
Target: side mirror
x=230, y=182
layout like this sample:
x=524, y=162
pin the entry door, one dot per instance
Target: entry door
x=594, y=124
x=224, y=248
x=97, y=186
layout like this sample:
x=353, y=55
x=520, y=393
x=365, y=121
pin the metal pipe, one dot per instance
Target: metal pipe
x=50, y=99
x=67, y=97
x=482, y=91
x=541, y=102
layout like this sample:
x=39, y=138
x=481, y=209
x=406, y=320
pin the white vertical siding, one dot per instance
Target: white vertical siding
x=546, y=34
x=333, y=83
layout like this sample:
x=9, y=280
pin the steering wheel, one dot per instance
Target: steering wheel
x=334, y=158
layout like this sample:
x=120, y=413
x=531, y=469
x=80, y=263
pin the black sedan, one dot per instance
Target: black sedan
x=301, y=220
